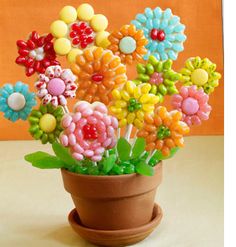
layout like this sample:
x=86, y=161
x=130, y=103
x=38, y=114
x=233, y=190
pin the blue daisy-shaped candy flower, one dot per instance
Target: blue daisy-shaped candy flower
x=16, y=101
x=164, y=32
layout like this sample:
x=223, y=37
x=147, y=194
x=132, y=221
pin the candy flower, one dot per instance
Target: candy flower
x=164, y=32
x=36, y=54
x=163, y=130
x=160, y=75
x=99, y=71
x=131, y=102
x=45, y=123
x=193, y=103
x=200, y=72
x=128, y=43
x=16, y=101
x=56, y=85
x=78, y=29
x=88, y=131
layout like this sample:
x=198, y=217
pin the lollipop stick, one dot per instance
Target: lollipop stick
x=65, y=109
x=128, y=131
x=94, y=163
x=135, y=137
x=150, y=155
x=118, y=133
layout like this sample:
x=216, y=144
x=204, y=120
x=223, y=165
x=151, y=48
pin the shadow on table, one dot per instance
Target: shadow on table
x=65, y=235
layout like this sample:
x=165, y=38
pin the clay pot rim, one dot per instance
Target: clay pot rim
x=102, y=177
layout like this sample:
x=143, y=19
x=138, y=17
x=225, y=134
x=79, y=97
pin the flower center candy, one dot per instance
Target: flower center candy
x=90, y=131
x=158, y=35
x=156, y=78
x=97, y=78
x=127, y=45
x=48, y=123
x=199, y=77
x=134, y=105
x=190, y=106
x=16, y=101
x=37, y=54
x=56, y=86
x=81, y=34
x=163, y=132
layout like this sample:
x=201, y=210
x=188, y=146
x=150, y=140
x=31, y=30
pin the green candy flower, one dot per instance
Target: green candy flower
x=160, y=75
x=45, y=123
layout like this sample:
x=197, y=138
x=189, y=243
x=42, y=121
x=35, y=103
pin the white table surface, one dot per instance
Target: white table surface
x=34, y=205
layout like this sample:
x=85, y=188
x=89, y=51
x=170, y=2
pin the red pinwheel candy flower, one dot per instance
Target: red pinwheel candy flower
x=36, y=54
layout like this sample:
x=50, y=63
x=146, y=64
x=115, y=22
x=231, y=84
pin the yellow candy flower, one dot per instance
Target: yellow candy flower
x=78, y=29
x=131, y=102
x=200, y=72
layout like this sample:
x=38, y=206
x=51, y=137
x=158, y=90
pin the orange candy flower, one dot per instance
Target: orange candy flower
x=99, y=71
x=164, y=130
x=128, y=43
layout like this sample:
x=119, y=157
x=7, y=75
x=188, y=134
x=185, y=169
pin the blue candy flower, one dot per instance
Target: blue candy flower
x=164, y=32
x=16, y=101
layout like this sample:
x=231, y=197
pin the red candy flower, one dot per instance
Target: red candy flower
x=36, y=54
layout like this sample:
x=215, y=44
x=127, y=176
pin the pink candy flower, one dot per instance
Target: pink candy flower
x=193, y=103
x=55, y=85
x=89, y=131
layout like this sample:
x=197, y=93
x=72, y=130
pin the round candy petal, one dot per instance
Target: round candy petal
x=85, y=12
x=68, y=14
x=99, y=22
x=62, y=46
x=58, y=29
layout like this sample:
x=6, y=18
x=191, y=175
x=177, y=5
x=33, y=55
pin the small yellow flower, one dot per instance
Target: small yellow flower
x=131, y=102
x=200, y=72
x=78, y=29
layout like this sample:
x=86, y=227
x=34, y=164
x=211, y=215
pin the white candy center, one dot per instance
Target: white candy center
x=16, y=101
x=37, y=54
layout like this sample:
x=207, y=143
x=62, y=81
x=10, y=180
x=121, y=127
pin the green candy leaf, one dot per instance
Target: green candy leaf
x=64, y=155
x=44, y=160
x=144, y=169
x=123, y=149
x=35, y=156
x=108, y=163
x=139, y=147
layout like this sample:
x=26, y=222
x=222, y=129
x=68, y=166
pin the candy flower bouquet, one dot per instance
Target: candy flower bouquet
x=111, y=145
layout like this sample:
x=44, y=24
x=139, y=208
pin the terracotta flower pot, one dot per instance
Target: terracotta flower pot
x=113, y=202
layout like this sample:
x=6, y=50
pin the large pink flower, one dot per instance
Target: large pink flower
x=55, y=85
x=89, y=131
x=193, y=103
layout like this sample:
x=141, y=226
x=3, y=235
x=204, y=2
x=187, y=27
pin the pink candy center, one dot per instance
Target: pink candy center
x=56, y=86
x=156, y=78
x=190, y=106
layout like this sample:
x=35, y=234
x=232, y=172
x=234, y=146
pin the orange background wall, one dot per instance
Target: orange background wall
x=203, y=20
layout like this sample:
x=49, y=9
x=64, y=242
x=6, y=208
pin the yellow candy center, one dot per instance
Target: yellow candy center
x=199, y=77
x=48, y=123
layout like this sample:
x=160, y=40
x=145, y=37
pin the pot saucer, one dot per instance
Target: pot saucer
x=115, y=238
